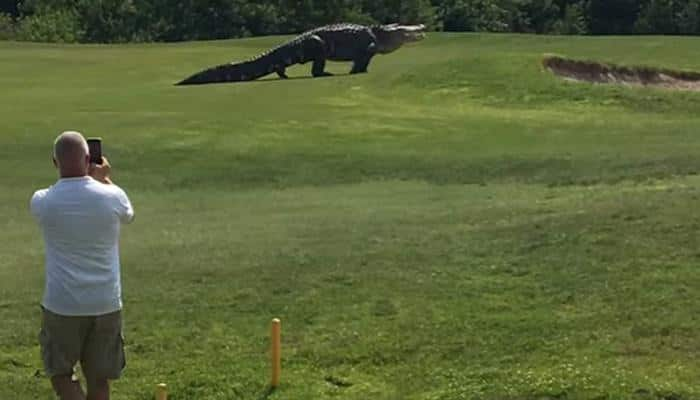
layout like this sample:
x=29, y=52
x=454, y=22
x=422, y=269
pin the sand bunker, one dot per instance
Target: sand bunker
x=595, y=72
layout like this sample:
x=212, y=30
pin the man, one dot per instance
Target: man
x=80, y=218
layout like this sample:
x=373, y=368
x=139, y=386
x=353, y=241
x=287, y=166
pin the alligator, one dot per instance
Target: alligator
x=337, y=42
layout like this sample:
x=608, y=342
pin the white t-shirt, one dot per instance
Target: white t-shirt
x=80, y=219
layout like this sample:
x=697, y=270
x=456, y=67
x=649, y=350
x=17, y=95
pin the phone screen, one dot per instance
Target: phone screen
x=95, y=147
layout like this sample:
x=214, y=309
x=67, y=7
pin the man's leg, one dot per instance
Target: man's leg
x=103, y=356
x=66, y=388
x=60, y=338
x=98, y=389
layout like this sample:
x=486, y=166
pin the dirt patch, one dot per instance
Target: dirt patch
x=596, y=72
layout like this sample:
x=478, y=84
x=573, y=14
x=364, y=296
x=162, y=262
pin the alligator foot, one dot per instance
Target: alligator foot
x=318, y=68
x=360, y=64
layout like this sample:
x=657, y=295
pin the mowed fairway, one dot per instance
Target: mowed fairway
x=456, y=224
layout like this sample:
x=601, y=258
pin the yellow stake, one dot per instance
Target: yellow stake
x=161, y=392
x=276, y=362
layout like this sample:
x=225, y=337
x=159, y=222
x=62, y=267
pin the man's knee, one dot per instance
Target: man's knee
x=62, y=381
x=97, y=389
x=98, y=383
x=66, y=387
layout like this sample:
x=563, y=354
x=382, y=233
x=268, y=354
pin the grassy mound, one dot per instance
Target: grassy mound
x=596, y=72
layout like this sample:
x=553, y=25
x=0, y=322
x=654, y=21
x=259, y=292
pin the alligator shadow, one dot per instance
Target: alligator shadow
x=268, y=80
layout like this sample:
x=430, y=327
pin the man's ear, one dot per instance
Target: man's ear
x=55, y=163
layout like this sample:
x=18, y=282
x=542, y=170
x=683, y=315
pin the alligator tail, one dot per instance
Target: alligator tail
x=273, y=60
x=298, y=51
x=231, y=72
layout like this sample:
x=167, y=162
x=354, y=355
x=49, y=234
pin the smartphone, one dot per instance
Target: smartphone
x=95, y=146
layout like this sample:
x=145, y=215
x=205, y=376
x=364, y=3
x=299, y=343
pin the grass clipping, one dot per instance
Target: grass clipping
x=596, y=72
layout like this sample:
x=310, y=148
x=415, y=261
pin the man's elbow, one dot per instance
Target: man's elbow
x=128, y=218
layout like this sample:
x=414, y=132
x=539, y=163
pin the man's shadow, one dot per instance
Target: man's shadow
x=267, y=393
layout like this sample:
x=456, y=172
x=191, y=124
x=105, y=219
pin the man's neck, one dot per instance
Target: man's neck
x=72, y=175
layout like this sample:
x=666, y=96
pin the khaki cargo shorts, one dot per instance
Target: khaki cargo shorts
x=96, y=342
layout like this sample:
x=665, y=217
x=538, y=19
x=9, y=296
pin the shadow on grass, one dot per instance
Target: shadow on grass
x=639, y=394
x=291, y=78
x=267, y=393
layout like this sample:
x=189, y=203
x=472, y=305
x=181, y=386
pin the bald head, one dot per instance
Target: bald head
x=71, y=154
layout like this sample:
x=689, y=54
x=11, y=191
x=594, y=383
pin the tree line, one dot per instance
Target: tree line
x=110, y=21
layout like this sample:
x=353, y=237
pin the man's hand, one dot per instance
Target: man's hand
x=101, y=172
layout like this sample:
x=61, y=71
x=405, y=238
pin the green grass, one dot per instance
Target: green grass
x=456, y=224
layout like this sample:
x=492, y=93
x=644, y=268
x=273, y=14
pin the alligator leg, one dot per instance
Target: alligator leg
x=360, y=64
x=362, y=60
x=317, y=69
x=281, y=72
x=316, y=51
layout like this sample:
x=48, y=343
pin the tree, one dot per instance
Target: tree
x=657, y=17
x=401, y=11
x=613, y=16
x=473, y=15
x=9, y=7
x=543, y=14
x=573, y=22
x=689, y=18
x=107, y=20
x=175, y=20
